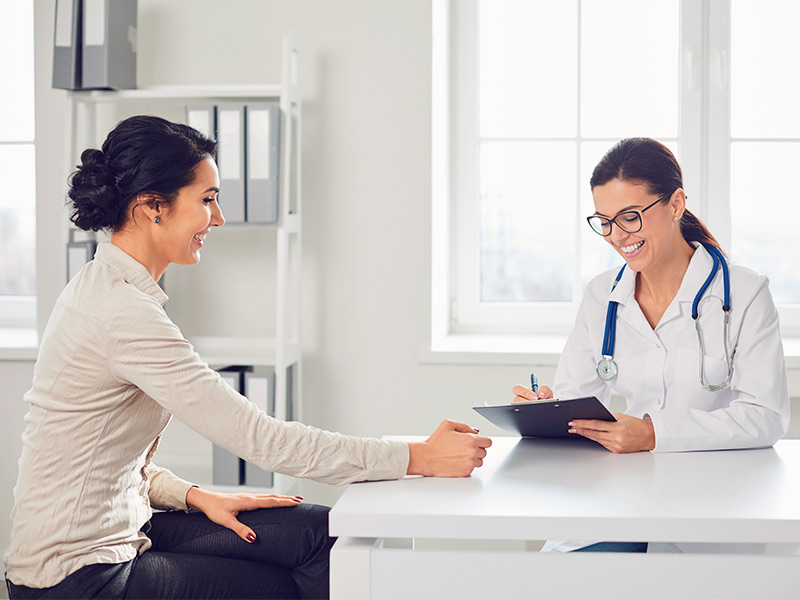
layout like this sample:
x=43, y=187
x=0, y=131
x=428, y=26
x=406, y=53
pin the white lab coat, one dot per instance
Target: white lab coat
x=659, y=368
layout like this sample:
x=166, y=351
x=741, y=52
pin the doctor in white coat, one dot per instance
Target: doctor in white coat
x=729, y=393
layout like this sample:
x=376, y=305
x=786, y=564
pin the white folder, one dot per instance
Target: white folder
x=204, y=119
x=226, y=466
x=291, y=400
x=231, y=162
x=260, y=390
x=262, y=161
x=109, y=44
x=78, y=254
x=67, y=45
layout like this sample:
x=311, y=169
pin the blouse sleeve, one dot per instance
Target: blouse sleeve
x=167, y=491
x=147, y=350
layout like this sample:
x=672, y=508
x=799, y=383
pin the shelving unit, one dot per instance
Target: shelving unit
x=279, y=349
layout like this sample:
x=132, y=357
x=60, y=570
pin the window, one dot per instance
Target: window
x=764, y=145
x=540, y=89
x=17, y=166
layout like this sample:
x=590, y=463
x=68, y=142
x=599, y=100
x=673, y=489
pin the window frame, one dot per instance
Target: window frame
x=703, y=142
x=19, y=311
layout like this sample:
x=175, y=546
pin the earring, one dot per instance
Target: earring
x=675, y=219
x=157, y=220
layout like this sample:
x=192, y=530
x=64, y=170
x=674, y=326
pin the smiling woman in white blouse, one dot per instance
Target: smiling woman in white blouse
x=692, y=343
x=113, y=370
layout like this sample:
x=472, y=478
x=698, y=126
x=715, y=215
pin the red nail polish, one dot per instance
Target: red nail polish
x=299, y=497
x=251, y=537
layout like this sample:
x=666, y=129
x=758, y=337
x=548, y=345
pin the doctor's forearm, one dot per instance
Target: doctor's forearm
x=735, y=427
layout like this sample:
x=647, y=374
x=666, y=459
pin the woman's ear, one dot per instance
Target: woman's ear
x=148, y=206
x=678, y=203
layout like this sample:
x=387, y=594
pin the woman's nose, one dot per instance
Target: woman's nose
x=217, y=220
x=617, y=235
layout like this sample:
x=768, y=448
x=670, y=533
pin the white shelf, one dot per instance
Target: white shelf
x=225, y=351
x=181, y=93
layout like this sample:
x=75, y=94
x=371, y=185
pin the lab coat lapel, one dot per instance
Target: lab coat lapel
x=696, y=273
x=629, y=310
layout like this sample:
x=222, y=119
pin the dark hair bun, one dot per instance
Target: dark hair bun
x=93, y=193
x=141, y=156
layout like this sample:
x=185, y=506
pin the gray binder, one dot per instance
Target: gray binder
x=260, y=390
x=291, y=372
x=230, y=159
x=226, y=466
x=204, y=119
x=67, y=45
x=109, y=44
x=79, y=252
x=263, y=151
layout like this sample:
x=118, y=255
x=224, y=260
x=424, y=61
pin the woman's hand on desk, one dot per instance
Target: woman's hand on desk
x=453, y=450
x=626, y=434
x=524, y=394
x=222, y=509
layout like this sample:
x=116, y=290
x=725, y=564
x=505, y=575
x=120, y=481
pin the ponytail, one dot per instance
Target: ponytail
x=693, y=230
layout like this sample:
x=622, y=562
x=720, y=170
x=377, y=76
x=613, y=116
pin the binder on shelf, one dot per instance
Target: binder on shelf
x=262, y=162
x=204, y=119
x=231, y=162
x=291, y=400
x=260, y=390
x=67, y=45
x=79, y=252
x=109, y=44
x=227, y=468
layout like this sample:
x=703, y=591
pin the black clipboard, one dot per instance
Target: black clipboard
x=545, y=418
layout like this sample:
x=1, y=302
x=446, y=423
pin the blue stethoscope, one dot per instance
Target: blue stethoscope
x=607, y=369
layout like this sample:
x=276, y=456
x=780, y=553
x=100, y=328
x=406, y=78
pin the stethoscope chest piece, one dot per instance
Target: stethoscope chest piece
x=606, y=368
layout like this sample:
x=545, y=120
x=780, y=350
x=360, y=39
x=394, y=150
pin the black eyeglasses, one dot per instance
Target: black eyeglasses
x=630, y=221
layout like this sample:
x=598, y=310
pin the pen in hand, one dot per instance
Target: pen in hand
x=535, y=393
x=534, y=383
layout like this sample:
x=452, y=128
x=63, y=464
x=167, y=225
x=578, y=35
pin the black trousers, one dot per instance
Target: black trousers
x=192, y=557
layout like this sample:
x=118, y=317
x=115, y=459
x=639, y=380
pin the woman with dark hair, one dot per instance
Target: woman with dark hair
x=113, y=370
x=692, y=343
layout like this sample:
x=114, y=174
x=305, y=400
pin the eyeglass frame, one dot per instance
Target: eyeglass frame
x=639, y=213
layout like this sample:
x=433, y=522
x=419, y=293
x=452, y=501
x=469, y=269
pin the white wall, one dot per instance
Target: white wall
x=366, y=190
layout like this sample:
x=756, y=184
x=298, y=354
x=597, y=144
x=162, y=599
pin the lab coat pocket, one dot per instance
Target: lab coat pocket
x=688, y=391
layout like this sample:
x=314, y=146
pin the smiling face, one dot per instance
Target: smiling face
x=190, y=217
x=657, y=242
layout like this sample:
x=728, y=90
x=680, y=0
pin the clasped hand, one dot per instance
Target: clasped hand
x=453, y=450
x=626, y=434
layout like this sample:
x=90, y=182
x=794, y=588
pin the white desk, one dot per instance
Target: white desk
x=465, y=538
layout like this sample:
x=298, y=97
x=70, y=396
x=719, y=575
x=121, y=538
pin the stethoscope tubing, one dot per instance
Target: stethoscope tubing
x=610, y=333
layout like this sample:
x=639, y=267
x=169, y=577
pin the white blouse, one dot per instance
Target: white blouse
x=112, y=370
x=659, y=369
